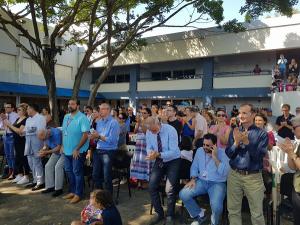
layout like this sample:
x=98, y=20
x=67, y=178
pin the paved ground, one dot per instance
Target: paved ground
x=19, y=206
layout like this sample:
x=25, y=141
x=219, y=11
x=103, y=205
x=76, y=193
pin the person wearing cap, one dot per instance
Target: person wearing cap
x=292, y=148
x=298, y=111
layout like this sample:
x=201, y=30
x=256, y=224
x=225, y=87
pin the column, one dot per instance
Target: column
x=134, y=75
x=207, y=80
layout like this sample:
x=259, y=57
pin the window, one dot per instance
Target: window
x=164, y=75
x=109, y=79
x=184, y=74
x=121, y=78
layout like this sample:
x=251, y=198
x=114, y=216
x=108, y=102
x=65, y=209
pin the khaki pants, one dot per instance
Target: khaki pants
x=253, y=187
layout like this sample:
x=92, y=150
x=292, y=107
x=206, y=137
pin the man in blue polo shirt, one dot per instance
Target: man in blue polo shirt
x=107, y=136
x=75, y=143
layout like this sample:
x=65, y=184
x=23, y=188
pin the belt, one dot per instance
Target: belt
x=246, y=172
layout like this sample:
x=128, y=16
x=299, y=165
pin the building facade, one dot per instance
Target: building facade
x=202, y=67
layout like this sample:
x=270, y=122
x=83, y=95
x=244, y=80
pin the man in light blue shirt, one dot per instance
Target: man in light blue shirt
x=162, y=146
x=208, y=173
x=75, y=130
x=107, y=136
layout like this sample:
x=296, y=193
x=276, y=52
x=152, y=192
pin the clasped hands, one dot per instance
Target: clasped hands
x=152, y=155
x=240, y=137
x=287, y=146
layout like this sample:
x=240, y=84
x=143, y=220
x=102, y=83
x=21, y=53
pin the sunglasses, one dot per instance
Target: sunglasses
x=221, y=115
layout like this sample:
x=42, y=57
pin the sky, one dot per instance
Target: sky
x=231, y=11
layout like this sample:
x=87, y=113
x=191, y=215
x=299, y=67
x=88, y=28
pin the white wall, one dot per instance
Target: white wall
x=116, y=87
x=278, y=99
x=189, y=84
x=245, y=62
x=230, y=102
x=281, y=34
x=243, y=81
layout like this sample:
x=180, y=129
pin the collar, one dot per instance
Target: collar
x=107, y=118
x=249, y=128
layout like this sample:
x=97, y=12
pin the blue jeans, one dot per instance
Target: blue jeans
x=216, y=192
x=171, y=170
x=102, y=169
x=74, y=170
x=9, y=150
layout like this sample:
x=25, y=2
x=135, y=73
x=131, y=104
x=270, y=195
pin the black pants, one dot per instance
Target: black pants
x=286, y=185
x=21, y=160
x=296, y=207
x=171, y=170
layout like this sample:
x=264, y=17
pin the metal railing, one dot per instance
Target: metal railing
x=241, y=73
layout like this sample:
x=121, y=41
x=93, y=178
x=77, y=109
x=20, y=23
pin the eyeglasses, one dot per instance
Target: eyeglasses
x=221, y=115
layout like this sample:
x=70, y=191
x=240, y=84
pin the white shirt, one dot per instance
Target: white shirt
x=201, y=124
x=35, y=124
x=12, y=117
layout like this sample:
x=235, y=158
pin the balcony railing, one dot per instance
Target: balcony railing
x=241, y=73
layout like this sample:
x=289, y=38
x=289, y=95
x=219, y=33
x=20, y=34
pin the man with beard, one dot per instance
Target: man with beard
x=75, y=143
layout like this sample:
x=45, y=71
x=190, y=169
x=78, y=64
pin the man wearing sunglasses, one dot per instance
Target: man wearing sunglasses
x=208, y=176
x=247, y=146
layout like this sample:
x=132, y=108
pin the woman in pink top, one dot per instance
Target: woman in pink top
x=221, y=130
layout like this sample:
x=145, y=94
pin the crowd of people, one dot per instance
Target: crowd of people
x=285, y=75
x=208, y=151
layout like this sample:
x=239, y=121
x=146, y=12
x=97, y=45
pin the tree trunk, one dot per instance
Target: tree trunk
x=98, y=82
x=49, y=74
x=83, y=66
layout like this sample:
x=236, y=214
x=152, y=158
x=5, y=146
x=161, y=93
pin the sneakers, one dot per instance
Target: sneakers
x=123, y=181
x=199, y=220
x=24, y=180
x=17, y=179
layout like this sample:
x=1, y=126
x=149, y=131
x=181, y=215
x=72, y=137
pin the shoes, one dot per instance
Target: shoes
x=157, y=219
x=199, y=220
x=69, y=196
x=38, y=187
x=75, y=199
x=11, y=177
x=30, y=185
x=17, y=179
x=123, y=181
x=57, y=193
x=48, y=190
x=24, y=180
